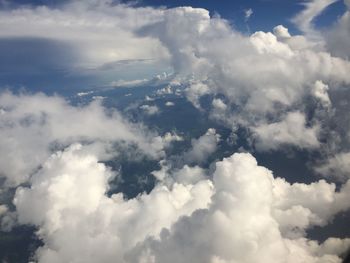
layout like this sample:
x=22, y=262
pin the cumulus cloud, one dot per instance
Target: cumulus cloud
x=320, y=91
x=243, y=222
x=337, y=167
x=202, y=147
x=243, y=214
x=237, y=212
x=281, y=32
x=150, y=109
x=291, y=130
x=165, y=91
x=78, y=222
x=166, y=140
x=219, y=105
x=169, y=137
x=34, y=125
x=207, y=55
x=97, y=30
x=217, y=60
x=195, y=91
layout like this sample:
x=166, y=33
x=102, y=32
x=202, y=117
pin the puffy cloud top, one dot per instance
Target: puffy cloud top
x=32, y=125
x=281, y=88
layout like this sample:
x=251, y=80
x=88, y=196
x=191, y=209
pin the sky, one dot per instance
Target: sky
x=175, y=131
x=265, y=15
x=270, y=12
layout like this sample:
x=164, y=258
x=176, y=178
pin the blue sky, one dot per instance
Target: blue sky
x=239, y=120
x=266, y=13
x=53, y=71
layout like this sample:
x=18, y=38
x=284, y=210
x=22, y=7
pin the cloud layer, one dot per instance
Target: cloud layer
x=281, y=88
x=243, y=214
x=265, y=77
x=31, y=126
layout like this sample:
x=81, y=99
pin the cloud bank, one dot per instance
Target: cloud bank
x=32, y=126
x=264, y=77
x=278, y=86
x=243, y=214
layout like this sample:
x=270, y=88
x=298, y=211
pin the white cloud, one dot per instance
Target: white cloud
x=291, y=130
x=243, y=214
x=33, y=125
x=302, y=202
x=337, y=37
x=165, y=91
x=260, y=76
x=129, y=83
x=238, y=213
x=206, y=53
x=241, y=225
x=202, y=147
x=185, y=175
x=82, y=94
x=78, y=222
x=281, y=32
x=248, y=13
x=169, y=137
x=313, y=8
x=150, y=109
x=148, y=98
x=189, y=175
x=99, y=31
x=195, y=91
x=337, y=167
x=169, y=103
x=268, y=43
x=320, y=91
x=166, y=140
x=218, y=104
